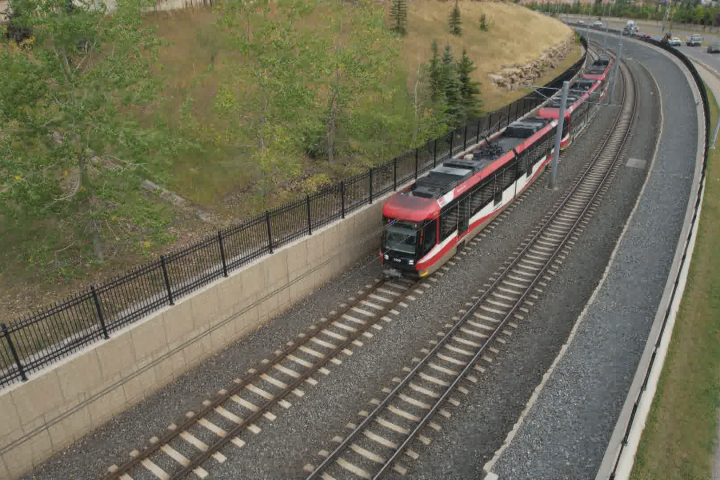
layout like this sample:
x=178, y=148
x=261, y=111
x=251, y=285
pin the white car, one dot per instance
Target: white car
x=675, y=42
x=597, y=24
x=581, y=22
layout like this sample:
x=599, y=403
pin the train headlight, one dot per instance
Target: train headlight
x=411, y=262
x=386, y=256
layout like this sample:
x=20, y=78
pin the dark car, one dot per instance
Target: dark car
x=714, y=48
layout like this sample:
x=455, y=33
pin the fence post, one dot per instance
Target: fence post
x=394, y=174
x=307, y=204
x=477, y=137
x=435, y=153
x=465, y=138
x=452, y=137
x=416, y=163
x=15, y=355
x=222, y=253
x=269, y=232
x=342, y=198
x=167, y=279
x=100, y=314
x=370, y=177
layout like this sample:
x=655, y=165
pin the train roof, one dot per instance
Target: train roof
x=426, y=196
x=582, y=85
x=602, y=60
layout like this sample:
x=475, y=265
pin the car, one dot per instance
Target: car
x=597, y=24
x=713, y=48
x=694, y=40
x=581, y=22
x=646, y=36
x=675, y=42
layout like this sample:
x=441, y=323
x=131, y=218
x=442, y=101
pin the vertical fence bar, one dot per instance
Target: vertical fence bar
x=435, y=153
x=307, y=204
x=222, y=253
x=269, y=231
x=395, y=173
x=477, y=139
x=416, y=164
x=99, y=312
x=370, y=177
x=342, y=198
x=452, y=137
x=465, y=138
x=167, y=279
x=15, y=355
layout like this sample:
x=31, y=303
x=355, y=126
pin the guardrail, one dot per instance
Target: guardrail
x=33, y=342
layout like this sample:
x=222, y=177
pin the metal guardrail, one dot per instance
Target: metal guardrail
x=35, y=341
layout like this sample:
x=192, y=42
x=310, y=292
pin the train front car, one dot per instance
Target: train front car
x=426, y=224
x=409, y=230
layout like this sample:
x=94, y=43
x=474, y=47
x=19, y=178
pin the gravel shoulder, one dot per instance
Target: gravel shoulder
x=565, y=433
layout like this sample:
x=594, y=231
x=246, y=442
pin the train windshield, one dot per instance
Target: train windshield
x=401, y=237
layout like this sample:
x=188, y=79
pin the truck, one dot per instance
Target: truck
x=630, y=28
x=694, y=40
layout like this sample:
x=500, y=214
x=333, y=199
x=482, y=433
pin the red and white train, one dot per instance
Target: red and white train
x=429, y=221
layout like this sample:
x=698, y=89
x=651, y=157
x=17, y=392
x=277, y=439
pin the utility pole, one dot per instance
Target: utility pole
x=607, y=24
x=667, y=9
x=617, y=66
x=558, y=136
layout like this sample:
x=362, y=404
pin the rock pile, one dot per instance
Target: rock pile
x=512, y=77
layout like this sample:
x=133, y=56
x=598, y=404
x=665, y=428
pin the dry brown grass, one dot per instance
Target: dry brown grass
x=516, y=35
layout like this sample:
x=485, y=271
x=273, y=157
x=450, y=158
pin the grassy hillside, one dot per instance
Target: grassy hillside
x=242, y=122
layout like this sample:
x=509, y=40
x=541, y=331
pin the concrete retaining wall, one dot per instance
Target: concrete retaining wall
x=66, y=401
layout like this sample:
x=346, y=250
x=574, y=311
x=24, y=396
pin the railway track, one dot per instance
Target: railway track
x=383, y=437
x=199, y=436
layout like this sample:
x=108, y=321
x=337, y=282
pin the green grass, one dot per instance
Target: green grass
x=680, y=435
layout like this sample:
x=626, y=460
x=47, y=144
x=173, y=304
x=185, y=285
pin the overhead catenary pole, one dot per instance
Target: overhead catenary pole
x=607, y=24
x=558, y=135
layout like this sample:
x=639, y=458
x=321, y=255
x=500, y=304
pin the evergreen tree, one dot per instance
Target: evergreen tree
x=450, y=85
x=434, y=73
x=398, y=16
x=455, y=20
x=468, y=89
x=483, y=23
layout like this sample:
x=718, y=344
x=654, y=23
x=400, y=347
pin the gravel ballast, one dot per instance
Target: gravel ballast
x=294, y=438
x=566, y=432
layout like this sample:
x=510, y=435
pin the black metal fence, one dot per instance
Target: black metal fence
x=33, y=342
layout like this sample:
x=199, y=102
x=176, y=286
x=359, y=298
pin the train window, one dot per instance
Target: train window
x=509, y=175
x=448, y=222
x=522, y=164
x=566, y=127
x=428, y=237
x=481, y=196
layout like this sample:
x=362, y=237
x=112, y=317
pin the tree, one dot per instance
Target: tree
x=450, y=85
x=455, y=20
x=66, y=146
x=483, y=23
x=398, y=16
x=469, y=89
x=434, y=73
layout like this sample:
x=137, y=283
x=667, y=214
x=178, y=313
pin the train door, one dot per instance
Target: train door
x=464, y=215
x=497, y=183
